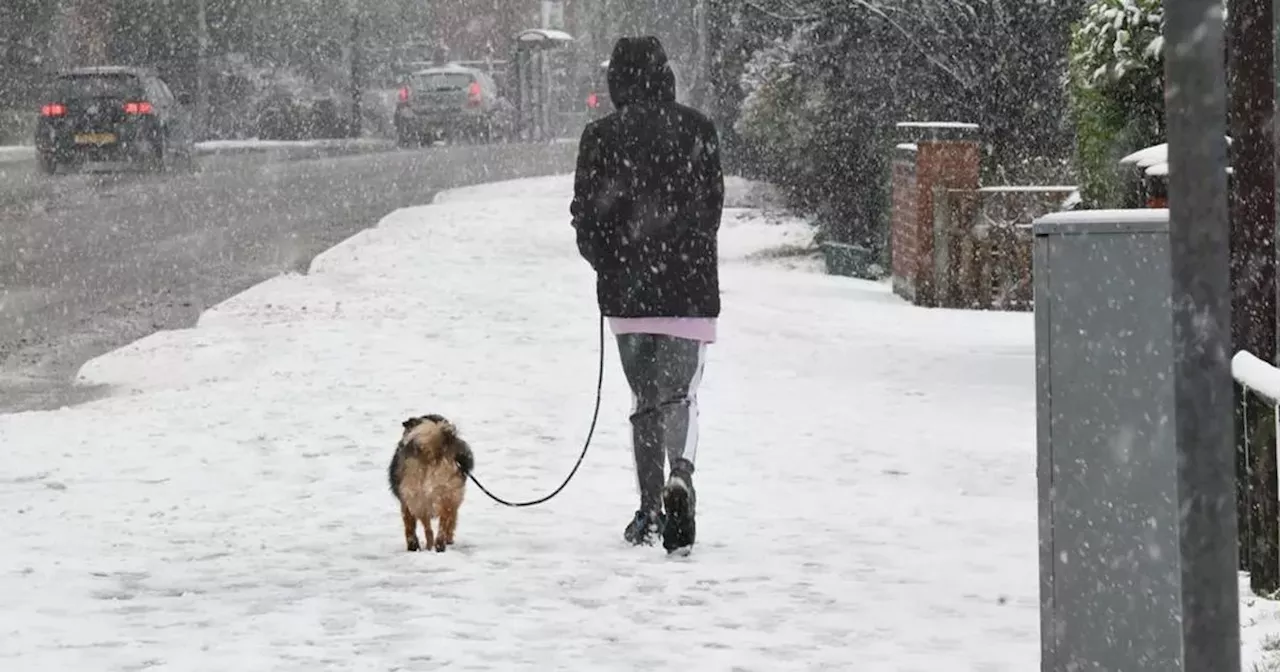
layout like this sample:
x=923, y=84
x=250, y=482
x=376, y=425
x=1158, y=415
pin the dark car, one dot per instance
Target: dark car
x=452, y=102
x=113, y=115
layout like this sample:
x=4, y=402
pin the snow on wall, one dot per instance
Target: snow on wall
x=938, y=124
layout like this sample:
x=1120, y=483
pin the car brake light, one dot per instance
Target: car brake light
x=404, y=94
x=473, y=95
x=139, y=107
x=53, y=110
x=593, y=101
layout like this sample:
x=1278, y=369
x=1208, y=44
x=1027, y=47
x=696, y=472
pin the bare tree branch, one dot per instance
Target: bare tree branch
x=782, y=17
x=878, y=11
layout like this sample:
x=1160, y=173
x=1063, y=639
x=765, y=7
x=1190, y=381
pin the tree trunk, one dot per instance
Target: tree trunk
x=1251, y=85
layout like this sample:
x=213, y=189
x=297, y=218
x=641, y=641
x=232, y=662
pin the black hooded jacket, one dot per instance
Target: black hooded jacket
x=648, y=194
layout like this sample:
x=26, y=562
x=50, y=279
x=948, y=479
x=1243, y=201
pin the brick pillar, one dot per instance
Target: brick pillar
x=937, y=154
x=949, y=164
x=902, y=230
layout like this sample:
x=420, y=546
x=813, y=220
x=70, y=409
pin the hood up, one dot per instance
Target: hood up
x=639, y=72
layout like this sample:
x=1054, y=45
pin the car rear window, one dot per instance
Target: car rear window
x=442, y=81
x=98, y=86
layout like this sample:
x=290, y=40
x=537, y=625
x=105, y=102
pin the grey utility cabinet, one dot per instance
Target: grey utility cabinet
x=1110, y=592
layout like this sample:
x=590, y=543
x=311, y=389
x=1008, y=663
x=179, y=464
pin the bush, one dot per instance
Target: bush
x=827, y=155
x=819, y=103
x=1115, y=85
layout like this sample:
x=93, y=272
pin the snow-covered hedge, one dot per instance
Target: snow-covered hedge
x=1118, y=39
x=1116, y=89
x=1115, y=86
x=782, y=100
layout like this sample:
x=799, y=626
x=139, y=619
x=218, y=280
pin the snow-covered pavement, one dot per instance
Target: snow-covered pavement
x=866, y=474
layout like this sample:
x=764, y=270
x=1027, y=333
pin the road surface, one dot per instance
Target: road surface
x=92, y=262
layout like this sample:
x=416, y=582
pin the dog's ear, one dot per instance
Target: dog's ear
x=411, y=423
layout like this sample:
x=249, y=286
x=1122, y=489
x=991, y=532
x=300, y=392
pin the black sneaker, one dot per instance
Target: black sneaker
x=679, y=500
x=644, y=528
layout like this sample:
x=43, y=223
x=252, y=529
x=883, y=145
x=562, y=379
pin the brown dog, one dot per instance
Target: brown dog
x=429, y=476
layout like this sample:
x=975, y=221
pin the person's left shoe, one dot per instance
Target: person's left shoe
x=679, y=500
x=644, y=527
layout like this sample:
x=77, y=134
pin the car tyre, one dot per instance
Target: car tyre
x=155, y=158
x=185, y=161
x=47, y=163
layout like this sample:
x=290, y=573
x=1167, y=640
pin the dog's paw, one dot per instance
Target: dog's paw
x=413, y=546
x=440, y=546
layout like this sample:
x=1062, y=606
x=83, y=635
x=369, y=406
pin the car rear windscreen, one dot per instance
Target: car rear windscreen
x=442, y=81
x=98, y=86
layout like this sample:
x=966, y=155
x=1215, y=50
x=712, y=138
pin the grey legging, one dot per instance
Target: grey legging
x=663, y=372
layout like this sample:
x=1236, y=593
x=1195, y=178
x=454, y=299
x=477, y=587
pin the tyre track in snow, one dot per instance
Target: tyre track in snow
x=89, y=263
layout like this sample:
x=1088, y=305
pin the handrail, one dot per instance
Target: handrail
x=1260, y=377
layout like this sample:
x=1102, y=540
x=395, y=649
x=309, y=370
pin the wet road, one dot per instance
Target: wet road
x=92, y=262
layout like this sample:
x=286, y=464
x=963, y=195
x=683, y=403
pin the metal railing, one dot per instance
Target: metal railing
x=1257, y=393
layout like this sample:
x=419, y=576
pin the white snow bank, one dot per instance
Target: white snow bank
x=254, y=143
x=1256, y=374
x=866, y=474
x=15, y=153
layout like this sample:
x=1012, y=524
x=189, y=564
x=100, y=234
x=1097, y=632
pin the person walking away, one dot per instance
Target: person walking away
x=648, y=197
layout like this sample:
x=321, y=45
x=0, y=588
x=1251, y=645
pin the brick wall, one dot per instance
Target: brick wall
x=902, y=235
x=951, y=164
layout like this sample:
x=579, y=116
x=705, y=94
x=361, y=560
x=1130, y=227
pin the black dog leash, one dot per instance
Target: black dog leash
x=590, y=433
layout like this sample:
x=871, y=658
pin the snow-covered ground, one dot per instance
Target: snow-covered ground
x=866, y=477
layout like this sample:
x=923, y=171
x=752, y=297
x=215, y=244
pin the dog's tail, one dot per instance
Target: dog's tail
x=462, y=453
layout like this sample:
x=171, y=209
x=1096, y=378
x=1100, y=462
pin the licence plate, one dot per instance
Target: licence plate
x=95, y=138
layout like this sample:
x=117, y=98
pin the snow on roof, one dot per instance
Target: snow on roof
x=448, y=67
x=1150, y=156
x=1162, y=170
x=543, y=35
x=938, y=124
x=1072, y=201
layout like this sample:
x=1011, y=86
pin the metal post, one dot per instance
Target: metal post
x=1195, y=105
x=1253, y=274
x=702, y=69
x=202, y=70
x=355, y=127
